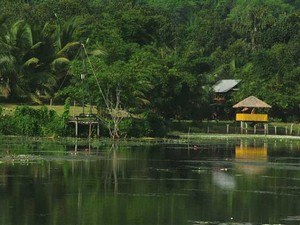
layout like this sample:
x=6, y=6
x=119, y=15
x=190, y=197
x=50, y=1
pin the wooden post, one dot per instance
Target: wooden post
x=242, y=127
x=76, y=146
x=227, y=128
x=246, y=128
x=74, y=109
x=98, y=129
x=76, y=127
x=51, y=102
x=254, y=129
x=90, y=129
x=291, y=131
x=286, y=130
x=275, y=127
x=265, y=129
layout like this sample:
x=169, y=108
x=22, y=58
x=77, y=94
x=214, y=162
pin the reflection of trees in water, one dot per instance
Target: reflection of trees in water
x=92, y=186
x=112, y=169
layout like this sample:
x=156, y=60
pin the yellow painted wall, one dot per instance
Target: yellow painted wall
x=252, y=117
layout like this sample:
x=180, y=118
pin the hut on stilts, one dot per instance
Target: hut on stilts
x=249, y=110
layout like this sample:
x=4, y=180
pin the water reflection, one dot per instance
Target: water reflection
x=116, y=183
x=224, y=180
x=251, y=159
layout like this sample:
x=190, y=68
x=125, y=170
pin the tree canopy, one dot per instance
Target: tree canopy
x=163, y=56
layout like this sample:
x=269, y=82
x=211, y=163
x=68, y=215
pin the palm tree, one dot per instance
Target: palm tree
x=35, y=59
x=15, y=43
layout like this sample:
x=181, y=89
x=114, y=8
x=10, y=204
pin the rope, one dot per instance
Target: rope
x=65, y=76
x=97, y=81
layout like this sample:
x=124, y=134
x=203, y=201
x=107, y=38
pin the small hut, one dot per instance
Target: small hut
x=249, y=108
x=222, y=89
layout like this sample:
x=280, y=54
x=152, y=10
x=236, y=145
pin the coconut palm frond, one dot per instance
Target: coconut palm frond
x=36, y=45
x=26, y=36
x=35, y=98
x=59, y=62
x=31, y=62
x=96, y=52
x=67, y=48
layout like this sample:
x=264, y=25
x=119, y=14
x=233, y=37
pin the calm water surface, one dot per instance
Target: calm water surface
x=209, y=182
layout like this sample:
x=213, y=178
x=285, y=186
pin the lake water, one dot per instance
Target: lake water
x=205, y=182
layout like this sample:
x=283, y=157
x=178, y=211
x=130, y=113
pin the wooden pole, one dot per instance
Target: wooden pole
x=98, y=129
x=291, y=131
x=241, y=127
x=227, y=128
x=76, y=127
x=74, y=109
x=275, y=127
x=51, y=102
x=90, y=129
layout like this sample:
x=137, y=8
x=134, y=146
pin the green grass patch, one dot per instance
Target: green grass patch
x=74, y=110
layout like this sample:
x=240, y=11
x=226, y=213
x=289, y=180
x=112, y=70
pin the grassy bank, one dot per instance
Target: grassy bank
x=197, y=136
x=196, y=129
x=232, y=127
x=74, y=110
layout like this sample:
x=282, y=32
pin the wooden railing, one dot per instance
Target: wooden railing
x=252, y=117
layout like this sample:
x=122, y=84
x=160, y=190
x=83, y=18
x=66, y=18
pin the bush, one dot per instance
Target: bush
x=157, y=125
x=149, y=124
x=35, y=122
x=133, y=127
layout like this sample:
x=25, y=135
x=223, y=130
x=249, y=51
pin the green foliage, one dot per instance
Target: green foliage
x=149, y=125
x=160, y=56
x=35, y=122
x=131, y=127
x=157, y=125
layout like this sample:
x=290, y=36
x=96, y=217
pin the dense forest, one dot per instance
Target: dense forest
x=159, y=56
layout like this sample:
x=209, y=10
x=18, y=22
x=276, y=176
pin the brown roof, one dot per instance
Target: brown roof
x=251, y=102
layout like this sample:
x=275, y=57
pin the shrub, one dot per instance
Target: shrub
x=133, y=127
x=157, y=124
x=36, y=122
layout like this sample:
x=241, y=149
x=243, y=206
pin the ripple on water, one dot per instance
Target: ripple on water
x=292, y=219
x=195, y=222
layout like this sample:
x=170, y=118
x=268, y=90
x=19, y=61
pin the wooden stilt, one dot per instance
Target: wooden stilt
x=90, y=130
x=76, y=127
x=98, y=129
x=242, y=126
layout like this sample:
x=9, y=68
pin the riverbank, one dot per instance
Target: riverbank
x=195, y=136
x=28, y=124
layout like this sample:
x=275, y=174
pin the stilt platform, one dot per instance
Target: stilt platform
x=89, y=120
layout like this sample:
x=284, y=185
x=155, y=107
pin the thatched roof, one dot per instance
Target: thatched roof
x=251, y=102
